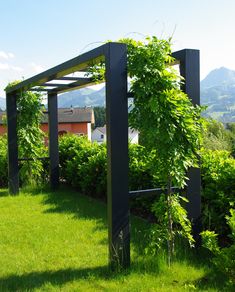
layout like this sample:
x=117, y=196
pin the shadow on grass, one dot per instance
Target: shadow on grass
x=30, y=281
x=4, y=192
x=69, y=201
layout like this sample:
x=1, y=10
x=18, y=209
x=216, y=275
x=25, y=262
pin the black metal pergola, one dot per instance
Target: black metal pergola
x=57, y=80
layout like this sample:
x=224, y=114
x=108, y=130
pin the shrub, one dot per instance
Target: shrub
x=216, y=136
x=94, y=172
x=223, y=260
x=218, y=182
x=83, y=164
x=3, y=161
x=140, y=170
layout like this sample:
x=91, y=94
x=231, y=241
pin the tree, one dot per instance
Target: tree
x=100, y=116
x=168, y=120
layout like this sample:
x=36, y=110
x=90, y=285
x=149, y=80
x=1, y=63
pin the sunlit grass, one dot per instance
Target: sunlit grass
x=58, y=241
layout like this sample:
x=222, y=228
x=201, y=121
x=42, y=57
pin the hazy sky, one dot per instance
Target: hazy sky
x=38, y=34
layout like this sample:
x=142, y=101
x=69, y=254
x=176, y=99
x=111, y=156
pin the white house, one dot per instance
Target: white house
x=99, y=135
x=133, y=136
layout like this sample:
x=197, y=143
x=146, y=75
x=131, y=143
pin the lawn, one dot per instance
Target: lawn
x=58, y=242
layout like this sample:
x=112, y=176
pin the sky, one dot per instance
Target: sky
x=36, y=35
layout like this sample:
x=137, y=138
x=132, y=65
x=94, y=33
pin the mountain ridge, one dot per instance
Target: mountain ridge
x=218, y=94
x=218, y=77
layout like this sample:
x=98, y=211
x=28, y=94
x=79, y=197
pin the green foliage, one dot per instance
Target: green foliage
x=83, y=164
x=141, y=175
x=231, y=222
x=182, y=225
x=216, y=137
x=218, y=182
x=162, y=113
x=210, y=241
x=167, y=119
x=30, y=136
x=3, y=161
x=100, y=116
x=223, y=260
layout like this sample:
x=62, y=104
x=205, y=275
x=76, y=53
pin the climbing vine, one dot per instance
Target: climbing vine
x=30, y=136
x=166, y=118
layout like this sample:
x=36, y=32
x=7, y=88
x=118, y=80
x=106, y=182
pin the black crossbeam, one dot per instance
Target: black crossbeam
x=150, y=192
x=31, y=159
x=76, y=64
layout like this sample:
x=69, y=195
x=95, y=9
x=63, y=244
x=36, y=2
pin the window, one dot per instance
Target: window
x=101, y=136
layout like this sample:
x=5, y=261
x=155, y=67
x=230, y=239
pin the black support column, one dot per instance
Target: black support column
x=117, y=148
x=13, y=168
x=190, y=70
x=53, y=140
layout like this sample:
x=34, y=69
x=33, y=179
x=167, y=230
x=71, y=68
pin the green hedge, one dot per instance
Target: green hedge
x=3, y=161
x=218, y=185
x=83, y=165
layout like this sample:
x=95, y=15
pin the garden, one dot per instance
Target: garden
x=57, y=239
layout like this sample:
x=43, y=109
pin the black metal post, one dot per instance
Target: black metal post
x=117, y=148
x=53, y=140
x=13, y=168
x=190, y=70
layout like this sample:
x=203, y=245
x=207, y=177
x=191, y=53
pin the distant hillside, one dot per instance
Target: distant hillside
x=2, y=103
x=82, y=97
x=218, y=94
x=218, y=77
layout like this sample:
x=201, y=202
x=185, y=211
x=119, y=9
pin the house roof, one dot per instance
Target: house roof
x=101, y=129
x=73, y=115
x=68, y=115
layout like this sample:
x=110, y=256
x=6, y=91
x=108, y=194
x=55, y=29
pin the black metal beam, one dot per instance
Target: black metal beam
x=13, y=168
x=53, y=140
x=76, y=64
x=190, y=70
x=117, y=148
x=80, y=83
x=68, y=78
x=130, y=94
x=40, y=89
x=31, y=159
x=150, y=192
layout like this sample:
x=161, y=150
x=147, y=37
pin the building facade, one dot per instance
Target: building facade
x=70, y=120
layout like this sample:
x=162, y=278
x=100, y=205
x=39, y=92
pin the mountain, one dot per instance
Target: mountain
x=218, y=77
x=2, y=103
x=82, y=97
x=218, y=94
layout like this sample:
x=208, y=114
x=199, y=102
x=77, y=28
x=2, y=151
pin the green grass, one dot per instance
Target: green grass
x=58, y=242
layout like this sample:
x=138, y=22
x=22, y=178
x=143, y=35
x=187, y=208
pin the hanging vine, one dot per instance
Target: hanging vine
x=30, y=136
x=169, y=123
